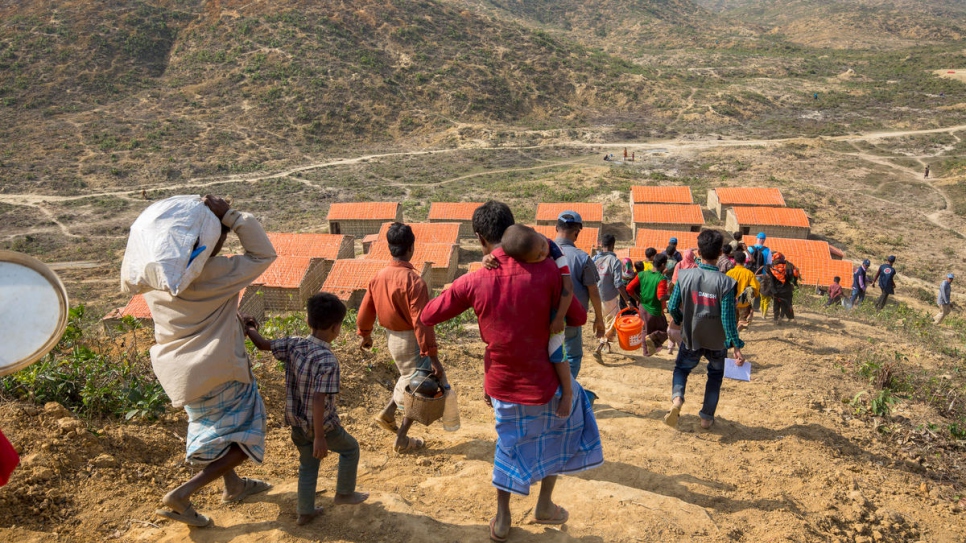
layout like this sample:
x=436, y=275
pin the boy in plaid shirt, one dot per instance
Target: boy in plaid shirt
x=312, y=385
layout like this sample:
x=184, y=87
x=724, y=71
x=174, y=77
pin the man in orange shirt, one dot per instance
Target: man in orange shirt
x=397, y=296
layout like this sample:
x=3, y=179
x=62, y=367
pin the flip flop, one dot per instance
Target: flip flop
x=189, y=517
x=493, y=536
x=560, y=516
x=252, y=486
x=386, y=425
x=414, y=444
x=671, y=419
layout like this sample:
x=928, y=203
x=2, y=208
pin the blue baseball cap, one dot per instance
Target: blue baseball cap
x=673, y=240
x=866, y=262
x=761, y=235
x=891, y=258
x=570, y=217
x=950, y=276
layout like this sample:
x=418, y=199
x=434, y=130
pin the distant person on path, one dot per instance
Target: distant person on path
x=860, y=282
x=746, y=290
x=944, y=300
x=611, y=289
x=687, y=263
x=925, y=175
x=649, y=255
x=650, y=289
x=627, y=274
x=585, y=278
x=724, y=261
x=201, y=362
x=760, y=256
x=735, y=242
x=835, y=294
x=885, y=276
x=544, y=422
x=672, y=250
x=781, y=278
x=702, y=308
x=396, y=296
x=312, y=383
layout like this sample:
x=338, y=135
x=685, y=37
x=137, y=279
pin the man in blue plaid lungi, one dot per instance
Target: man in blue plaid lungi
x=200, y=360
x=544, y=423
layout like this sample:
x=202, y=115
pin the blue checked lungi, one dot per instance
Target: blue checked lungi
x=533, y=443
x=231, y=413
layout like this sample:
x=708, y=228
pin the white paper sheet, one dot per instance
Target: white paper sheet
x=736, y=372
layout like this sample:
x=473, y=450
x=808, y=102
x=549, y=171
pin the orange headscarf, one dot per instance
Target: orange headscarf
x=778, y=267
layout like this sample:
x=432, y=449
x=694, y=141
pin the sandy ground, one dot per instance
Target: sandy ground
x=786, y=461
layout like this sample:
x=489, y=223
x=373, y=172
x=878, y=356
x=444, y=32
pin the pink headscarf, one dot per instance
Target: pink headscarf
x=686, y=263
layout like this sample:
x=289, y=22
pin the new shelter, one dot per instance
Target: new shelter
x=780, y=222
x=359, y=219
x=677, y=217
x=349, y=279
x=720, y=199
x=458, y=212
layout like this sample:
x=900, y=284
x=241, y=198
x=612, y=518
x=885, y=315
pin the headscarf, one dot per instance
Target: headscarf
x=686, y=263
x=778, y=267
x=627, y=270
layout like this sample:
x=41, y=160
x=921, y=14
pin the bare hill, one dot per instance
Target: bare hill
x=622, y=25
x=851, y=23
x=109, y=92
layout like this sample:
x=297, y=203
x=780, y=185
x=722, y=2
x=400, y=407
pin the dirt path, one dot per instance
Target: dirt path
x=786, y=461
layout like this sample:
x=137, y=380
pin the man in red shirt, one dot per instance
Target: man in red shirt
x=397, y=295
x=544, y=422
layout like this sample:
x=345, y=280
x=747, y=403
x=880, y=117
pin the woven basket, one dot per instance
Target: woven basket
x=421, y=409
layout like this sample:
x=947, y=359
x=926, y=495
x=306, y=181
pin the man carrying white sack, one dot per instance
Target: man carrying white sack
x=201, y=362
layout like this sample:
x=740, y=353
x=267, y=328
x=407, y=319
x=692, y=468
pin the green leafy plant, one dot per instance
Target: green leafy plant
x=87, y=381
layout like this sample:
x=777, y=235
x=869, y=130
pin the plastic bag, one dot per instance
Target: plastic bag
x=169, y=244
x=8, y=459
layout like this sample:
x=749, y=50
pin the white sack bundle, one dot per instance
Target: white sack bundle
x=158, y=255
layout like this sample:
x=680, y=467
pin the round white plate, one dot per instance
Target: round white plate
x=33, y=310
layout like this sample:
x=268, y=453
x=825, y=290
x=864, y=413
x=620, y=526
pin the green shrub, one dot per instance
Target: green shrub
x=88, y=382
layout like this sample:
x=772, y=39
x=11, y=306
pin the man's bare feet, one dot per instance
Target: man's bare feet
x=174, y=502
x=305, y=519
x=350, y=499
x=499, y=527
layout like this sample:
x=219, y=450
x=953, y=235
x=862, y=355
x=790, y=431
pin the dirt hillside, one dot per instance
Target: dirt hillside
x=788, y=460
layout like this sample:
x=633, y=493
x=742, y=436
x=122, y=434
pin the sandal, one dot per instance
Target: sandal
x=560, y=516
x=414, y=444
x=189, y=517
x=671, y=419
x=386, y=425
x=252, y=486
x=493, y=536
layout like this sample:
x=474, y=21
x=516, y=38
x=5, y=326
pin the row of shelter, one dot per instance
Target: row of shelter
x=308, y=263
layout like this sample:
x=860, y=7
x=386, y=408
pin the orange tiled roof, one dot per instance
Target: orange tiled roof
x=311, y=245
x=659, y=239
x=363, y=211
x=438, y=254
x=137, y=307
x=661, y=195
x=349, y=275
x=474, y=266
x=371, y=238
x=285, y=272
x=770, y=216
x=428, y=232
x=817, y=271
x=352, y=274
x=589, y=212
x=452, y=211
x=586, y=241
x=668, y=214
x=749, y=196
x=800, y=248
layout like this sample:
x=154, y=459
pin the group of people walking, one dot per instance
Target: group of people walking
x=531, y=300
